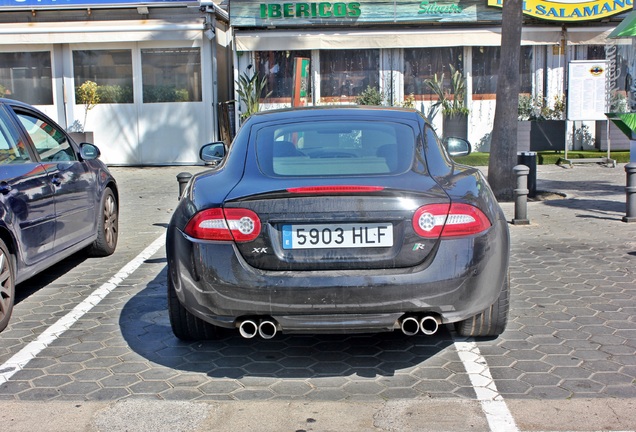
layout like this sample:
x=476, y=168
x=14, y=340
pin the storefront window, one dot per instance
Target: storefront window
x=346, y=74
x=278, y=67
x=486, y=70
x=26, y=76
x=111, y=70
x=421, y=64
x=171, y=75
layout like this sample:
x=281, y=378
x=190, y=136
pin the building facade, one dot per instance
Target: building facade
x=397, y=46
x=159, y=70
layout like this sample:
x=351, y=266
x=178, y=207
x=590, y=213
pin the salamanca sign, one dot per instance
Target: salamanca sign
x=571, y=10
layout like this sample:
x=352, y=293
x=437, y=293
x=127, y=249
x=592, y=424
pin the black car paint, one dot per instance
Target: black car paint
x=221, y=282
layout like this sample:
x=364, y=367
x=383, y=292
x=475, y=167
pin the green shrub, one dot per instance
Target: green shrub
x=370, y=96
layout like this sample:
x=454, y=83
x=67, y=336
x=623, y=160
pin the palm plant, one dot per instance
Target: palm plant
x=250, y=90
x=451, y=100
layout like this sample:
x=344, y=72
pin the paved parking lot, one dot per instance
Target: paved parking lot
x=566, y=362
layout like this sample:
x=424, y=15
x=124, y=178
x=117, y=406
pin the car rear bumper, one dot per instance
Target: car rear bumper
x=215, y=283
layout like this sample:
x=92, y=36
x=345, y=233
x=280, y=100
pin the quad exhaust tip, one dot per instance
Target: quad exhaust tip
x=410, y=326
x=427, y=324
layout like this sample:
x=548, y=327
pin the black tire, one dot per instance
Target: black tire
x=107, y=226
x=492, y=321
x=186, y=326
x=7, y=285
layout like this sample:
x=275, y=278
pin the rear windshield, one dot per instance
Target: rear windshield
x=335, y=148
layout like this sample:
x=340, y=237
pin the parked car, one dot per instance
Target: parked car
x=337, y=220
x=56, y=198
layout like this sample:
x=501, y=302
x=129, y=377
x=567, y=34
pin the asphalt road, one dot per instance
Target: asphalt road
x=89, y=347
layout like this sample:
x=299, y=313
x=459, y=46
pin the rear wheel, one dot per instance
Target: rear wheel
x=186, y=326
x=107, y=226
x=7, y=285
x=492, y=321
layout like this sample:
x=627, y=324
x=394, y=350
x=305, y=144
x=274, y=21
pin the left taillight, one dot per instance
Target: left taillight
x=231, y=224
x=454, y=220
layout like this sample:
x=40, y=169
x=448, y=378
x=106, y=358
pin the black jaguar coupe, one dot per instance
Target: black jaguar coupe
x=337, y=220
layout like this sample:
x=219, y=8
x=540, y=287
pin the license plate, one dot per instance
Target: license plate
x=337, y=236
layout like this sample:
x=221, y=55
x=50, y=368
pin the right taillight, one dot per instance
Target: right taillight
x=232, y=224
x=444, y=220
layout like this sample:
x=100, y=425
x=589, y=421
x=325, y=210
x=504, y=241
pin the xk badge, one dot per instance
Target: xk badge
x=259, y=250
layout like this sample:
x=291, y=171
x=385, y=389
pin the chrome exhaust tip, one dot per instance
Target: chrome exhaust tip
x=410, y=326
x=429, y=325
x=248, y=329
x=267, y=329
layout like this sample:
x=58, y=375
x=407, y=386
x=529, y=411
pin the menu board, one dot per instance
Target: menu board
x=587, y=90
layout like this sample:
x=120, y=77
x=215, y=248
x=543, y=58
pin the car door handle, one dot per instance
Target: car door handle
x=5, y=188
x=56, y=180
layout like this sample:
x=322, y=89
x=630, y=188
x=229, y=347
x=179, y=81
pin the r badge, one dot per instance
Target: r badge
x=419, y=246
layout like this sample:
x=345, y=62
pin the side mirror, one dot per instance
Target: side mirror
x=457, y=146
x=89, y=151
x=213, y=152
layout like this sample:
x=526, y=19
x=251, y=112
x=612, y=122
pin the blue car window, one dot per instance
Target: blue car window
x=12, y=149
x=50, y=143
x=335, y=148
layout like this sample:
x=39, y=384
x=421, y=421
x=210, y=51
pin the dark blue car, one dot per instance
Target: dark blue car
x=332, y=220
x=56, y=198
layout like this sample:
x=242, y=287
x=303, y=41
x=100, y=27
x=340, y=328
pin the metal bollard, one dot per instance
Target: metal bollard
x=521, y=195
x=630, y=191
x=183, y=179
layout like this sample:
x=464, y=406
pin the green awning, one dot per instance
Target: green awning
x=626, y=122
x=627, y=28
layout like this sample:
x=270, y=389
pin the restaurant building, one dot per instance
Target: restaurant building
x=160, y=69
x=397, y=46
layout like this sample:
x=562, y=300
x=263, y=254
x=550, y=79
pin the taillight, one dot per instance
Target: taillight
x=240, y=225
x=454, y=220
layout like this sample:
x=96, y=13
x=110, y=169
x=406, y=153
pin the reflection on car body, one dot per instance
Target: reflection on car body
x=337, y=220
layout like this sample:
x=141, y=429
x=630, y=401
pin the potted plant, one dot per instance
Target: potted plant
x=541, y=124
x=452, y=102
x=370, y=96
x=250, y=90
x=87, y=95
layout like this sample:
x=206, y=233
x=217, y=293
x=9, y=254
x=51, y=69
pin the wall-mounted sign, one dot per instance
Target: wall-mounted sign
x=281, y=13
x=75, y=4
x=571, y=10
x=277, y=13
x=301, y=82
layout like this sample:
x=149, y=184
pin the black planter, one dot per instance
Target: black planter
x=523, y=135
x=547, y=135
x=618, y=140
x=456, y=126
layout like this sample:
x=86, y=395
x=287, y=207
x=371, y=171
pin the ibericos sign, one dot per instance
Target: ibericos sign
x=315, y=13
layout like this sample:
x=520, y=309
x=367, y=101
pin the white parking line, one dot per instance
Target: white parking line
x=492, y=403
x=31, y=350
